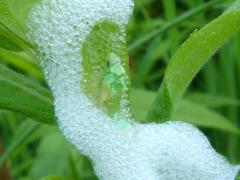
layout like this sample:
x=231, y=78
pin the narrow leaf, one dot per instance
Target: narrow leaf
x=189, y=59
x=211, y=100
x=203, y=117
x=13, y=17
x=19, y=94
x=187, y=111
x=17, y=141
x=21, y=61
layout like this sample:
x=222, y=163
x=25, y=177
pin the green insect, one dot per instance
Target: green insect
x=105, y=76
x=114, y=81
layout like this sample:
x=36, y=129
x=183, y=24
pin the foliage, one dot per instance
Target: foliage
x=189, y=59
x=21, y=95
x=211, y=102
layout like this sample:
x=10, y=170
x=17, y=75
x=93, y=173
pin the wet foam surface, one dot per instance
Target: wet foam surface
x=140, y=152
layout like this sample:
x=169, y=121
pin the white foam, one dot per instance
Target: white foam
x=141, y=152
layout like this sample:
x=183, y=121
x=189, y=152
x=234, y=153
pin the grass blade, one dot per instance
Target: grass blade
x=189, y=59
x=171, y=24
x=17, y=141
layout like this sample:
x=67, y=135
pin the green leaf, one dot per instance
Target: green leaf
x=189, y=59
x=187, y=111
x=7, y=19
x=7, y=42
x=13, y=17
x=211, y=100
x=21, y=95
x=21, y=61
x=14, y=14
x=52, y=157
x=201, y=116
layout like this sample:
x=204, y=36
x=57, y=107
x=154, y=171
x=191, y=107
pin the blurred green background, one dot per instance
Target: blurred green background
x=157, y=28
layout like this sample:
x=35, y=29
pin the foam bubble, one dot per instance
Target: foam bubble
x=140, y=152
